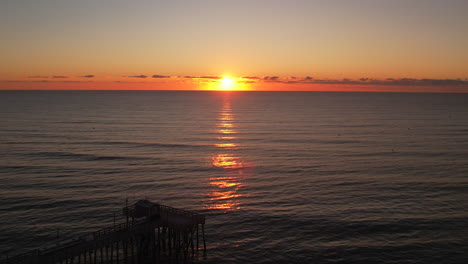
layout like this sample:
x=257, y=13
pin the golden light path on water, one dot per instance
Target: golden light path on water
x=225, y=194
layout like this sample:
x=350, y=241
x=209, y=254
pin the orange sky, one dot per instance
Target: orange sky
x=362, y=45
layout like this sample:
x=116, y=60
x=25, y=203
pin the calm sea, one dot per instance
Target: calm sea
x=283, y=177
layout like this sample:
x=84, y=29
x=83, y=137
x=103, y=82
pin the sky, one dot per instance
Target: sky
x=330, y=45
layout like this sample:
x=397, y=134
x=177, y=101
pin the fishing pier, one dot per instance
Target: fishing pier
x=151, y=233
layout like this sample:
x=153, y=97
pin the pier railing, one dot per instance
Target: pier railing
x=166, y=210
x=21, y=257
x=200, y=219
x=101, y=233
x=108, y=230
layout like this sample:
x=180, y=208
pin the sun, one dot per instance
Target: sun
x=227, y=83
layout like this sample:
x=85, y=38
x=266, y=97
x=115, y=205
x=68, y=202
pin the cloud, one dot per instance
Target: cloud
x=87, y=76
x=368, y=81
x=210, y=77
x=160, y=76
x=388, y=81
x=60, y=77
x=39, y=77
x=408, y=80
x=430, y=82
x=204, y=77
x=137, y=76
x=45, y=81
x=251, y=77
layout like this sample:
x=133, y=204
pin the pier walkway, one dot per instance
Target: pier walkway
x=152, y=232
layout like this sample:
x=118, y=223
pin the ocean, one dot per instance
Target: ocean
x=283, y=177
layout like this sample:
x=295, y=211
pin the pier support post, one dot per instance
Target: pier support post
x=204, y=241
x=111, y=253
x=95, y=254
x=125, y=251
x=117, y=251
x=198, y=247
x=102, y=254
x=133, y=251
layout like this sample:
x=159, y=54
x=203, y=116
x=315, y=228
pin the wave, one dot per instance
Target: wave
x=81, y=156
x=317, y=141
x=104, y=143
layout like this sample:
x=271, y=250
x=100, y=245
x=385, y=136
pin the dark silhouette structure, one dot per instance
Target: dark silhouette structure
x=151, y=233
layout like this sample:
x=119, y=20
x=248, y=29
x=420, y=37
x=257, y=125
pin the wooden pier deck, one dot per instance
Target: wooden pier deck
x=151, y=233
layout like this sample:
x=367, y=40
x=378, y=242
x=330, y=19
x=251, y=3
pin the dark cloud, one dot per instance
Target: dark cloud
x=60, y=77
x=137, y=76
x=46, y=81
x=210, y=77
x=430, y=82
x=204, y=77
x=251, y=77
x=39, y=77
x=388, y=81
x=64, y=81
x=87, y=76
x=368, y=81
x=160, y=76
x=407, y=80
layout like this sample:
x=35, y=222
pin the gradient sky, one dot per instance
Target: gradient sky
x=335, y=42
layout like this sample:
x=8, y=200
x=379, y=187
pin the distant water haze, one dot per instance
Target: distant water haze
x=283, y=177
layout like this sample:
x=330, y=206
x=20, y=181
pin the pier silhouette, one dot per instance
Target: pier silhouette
x=151, y=233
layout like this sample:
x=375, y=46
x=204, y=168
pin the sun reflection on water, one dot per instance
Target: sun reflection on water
x=226, y=145
x=226, y=161
x=225, y=193
x=227, y=131
x=227, y=137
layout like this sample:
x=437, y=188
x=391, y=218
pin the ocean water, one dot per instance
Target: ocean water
x=283, y=177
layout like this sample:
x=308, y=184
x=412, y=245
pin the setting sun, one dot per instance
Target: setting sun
x=224, y=83
x=227, y=83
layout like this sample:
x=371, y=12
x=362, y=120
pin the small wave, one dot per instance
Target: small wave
x=315, y=141
x=78, y=122
x=144, y=144
x=81, y=156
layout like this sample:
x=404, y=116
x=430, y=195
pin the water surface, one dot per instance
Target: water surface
x=283, y=177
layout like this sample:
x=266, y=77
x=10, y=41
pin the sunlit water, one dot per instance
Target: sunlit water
x=283, y=177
